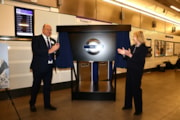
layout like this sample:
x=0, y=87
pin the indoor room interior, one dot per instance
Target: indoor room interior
x=73, y=88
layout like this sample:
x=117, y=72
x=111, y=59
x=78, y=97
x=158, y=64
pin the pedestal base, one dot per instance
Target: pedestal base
x=103, y=90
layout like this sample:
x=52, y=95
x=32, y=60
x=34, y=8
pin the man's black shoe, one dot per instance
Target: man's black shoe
x=51, y=108
x=33, y=108
x=126, y=108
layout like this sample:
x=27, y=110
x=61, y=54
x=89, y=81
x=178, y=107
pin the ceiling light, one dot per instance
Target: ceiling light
x=175, y=8
x=140, y=9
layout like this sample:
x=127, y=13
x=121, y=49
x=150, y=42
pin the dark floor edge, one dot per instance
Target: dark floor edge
x=94, y=96
x=4, y=93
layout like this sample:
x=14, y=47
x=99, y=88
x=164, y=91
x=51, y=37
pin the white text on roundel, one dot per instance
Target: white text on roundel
x=93, y=46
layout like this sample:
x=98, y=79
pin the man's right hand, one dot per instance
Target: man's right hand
x=54, y=48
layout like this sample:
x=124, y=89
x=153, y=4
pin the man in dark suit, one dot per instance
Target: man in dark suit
x=43, y=49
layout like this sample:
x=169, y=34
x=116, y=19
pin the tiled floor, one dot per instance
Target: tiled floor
x=161, y=101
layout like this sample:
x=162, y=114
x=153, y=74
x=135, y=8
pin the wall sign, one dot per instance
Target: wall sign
x=4, y=67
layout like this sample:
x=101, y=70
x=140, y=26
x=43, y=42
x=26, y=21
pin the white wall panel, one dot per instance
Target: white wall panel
x=66, y=19
x=46, y=17
x=7, y=20
x=20, y=56
x=61, y=75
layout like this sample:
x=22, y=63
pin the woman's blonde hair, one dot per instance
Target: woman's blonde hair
x=140, y=36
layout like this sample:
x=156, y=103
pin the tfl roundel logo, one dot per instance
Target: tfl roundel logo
x=93, y=46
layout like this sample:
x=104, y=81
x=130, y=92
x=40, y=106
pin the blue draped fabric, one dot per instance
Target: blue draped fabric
x=95, y=72
x=122, y=40
x=110, y=70
x=64, y=55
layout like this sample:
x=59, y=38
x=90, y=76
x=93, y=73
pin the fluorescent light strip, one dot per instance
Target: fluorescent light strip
x=175, y=8
x=144, y=11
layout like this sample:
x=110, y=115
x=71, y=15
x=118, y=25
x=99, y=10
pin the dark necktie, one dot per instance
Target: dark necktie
x=49, y=46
